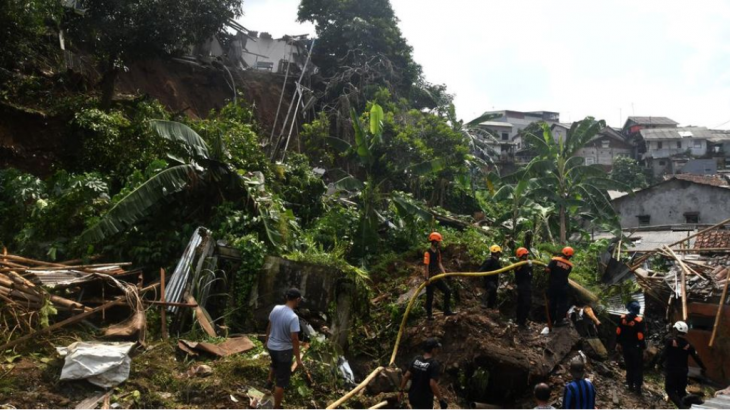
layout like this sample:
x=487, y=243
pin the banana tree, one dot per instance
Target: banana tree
x=204, y=168
x=563, y=179
x=367, y=141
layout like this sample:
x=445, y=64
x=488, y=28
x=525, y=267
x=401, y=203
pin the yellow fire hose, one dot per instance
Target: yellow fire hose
x=377, y=371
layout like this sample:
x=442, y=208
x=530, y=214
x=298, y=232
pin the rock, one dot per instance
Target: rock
x=387, y=381
x=602, y=369
x=595, y=349
x=202, y=370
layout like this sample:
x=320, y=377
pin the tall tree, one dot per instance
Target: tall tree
x=359, y=45
x=563, y=178
x=120, y=32
x=629, y=172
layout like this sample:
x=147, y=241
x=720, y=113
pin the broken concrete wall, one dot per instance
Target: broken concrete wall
x=322, y=287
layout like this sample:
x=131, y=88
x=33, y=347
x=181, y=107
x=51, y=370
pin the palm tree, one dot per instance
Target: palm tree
x=205, y=168
x=563, y=178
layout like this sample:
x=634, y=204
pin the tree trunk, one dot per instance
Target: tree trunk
x=563, y=227
x=107, y=84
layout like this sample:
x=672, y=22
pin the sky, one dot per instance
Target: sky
x=605, y=58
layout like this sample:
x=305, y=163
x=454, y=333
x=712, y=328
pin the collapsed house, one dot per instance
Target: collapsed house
x=687, y=273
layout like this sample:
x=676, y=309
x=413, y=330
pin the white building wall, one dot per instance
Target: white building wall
x=273, y=50
x=667, y=203
x=668, y=148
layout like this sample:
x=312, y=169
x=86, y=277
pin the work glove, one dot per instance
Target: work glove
x=444, y=404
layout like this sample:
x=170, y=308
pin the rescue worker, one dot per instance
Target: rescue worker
x=630, y=338
x=432, y=267
x=676, y=356
x=558, y=271
x=579, y=393
x=585, y=320
x=491, y=283
x=523, y=280
x=424, y=371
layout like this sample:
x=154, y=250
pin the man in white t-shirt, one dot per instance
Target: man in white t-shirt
x=282, y=342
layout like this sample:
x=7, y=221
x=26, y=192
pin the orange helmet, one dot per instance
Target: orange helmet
x=568, y=251
x=435, y=236
x=522, y=252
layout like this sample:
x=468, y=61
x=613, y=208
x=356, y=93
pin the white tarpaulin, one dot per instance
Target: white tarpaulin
x=103, y=364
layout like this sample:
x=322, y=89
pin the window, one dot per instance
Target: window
x=644, y=220
x=590, y=160
x=606, y=144
x=692, y=217
x=679, y=144
x=698, y=144
x=659, y=145
x=505, y=136
x=662, y=163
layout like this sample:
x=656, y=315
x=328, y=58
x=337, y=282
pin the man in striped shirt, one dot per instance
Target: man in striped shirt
x=580, y=393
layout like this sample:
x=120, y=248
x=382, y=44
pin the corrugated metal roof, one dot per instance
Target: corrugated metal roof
x=616, y=306
x=52, y=278
x=719, y=137
x=653, y=120
x=495, y=124
x=676, y=133
x=644, y=241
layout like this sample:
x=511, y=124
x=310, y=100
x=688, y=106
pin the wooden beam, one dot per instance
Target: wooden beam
x=685, y=271
x=720, y=306
x=163, y=311
x=58, y=325
x=202, y=318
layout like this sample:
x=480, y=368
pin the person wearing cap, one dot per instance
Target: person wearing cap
x=579, y=393
x=432, y=267
x=630, y=338
x=523, y=280
x=676, y=364
x=491, y=282
x=282, y=342
x=558, y=271
x=424, y=372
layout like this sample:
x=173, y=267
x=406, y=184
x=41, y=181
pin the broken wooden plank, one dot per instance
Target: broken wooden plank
x=92, y=401
x=202, y=317
x=163, y=311
x=720, y=305
x=684, y=270
x=58, y=325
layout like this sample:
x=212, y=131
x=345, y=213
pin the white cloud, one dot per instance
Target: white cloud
x=580, y=58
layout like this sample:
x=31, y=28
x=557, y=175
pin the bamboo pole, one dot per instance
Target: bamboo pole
x=163, y=310
x=380, y=405
x=30, y=261
x=720, y=307
x=684, y=270
x=359, y=387
x=58, y=325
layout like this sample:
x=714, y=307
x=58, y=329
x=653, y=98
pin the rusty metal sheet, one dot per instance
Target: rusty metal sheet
x=227, y=348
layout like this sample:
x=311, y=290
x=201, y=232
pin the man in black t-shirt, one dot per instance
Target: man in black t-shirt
x=558, y=271
x=491, y=283
x=676, y=364
x=424, y=373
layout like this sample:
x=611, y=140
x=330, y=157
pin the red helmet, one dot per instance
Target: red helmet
x=568, y=251
x=522, y=252
x=435, y=236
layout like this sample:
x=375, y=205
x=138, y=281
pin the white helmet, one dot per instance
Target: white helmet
x=681, y=327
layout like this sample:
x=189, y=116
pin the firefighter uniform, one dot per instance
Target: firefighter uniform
x=630, y=334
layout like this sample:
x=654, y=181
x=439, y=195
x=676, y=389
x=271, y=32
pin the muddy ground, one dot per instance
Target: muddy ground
x=485, y=357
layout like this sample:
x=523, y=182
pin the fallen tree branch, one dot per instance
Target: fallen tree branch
x=58, y=325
